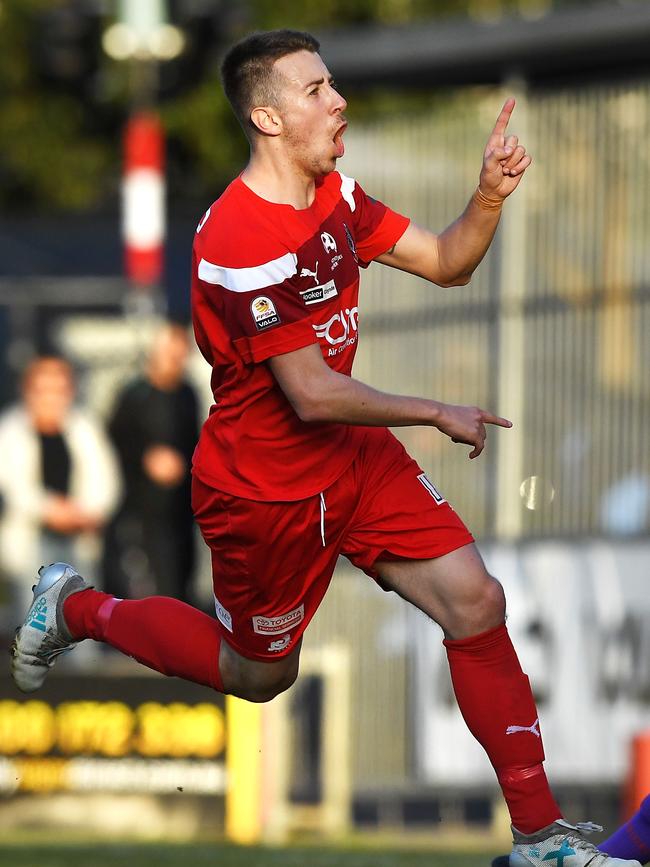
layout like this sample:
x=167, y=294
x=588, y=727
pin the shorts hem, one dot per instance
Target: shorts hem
x=392, y=557
x=253, y=655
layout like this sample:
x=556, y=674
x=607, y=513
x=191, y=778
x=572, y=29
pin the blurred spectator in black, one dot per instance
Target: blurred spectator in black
x=59, y=479
x=154, y=427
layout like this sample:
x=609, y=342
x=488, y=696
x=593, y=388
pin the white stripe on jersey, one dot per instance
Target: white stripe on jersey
x=347, y=188
x=249, y=279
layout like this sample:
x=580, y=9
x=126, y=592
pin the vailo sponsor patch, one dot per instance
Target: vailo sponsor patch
x=264, y=313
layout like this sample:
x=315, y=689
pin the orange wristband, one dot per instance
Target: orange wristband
x=486, y=203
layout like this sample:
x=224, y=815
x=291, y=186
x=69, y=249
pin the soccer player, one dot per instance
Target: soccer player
x=295, y=464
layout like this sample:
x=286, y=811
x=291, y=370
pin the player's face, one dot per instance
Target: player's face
x=312, y=112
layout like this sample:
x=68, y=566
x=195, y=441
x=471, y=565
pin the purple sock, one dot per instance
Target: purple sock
x=632, y=840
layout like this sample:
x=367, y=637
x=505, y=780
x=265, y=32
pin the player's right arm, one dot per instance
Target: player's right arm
x=319, y=394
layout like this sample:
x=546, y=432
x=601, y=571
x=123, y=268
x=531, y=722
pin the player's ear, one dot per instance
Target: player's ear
x=266, y=119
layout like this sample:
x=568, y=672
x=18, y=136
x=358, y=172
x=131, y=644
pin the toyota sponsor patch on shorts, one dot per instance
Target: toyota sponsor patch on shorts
x=280, y=624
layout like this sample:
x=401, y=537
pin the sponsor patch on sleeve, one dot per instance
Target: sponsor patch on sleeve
x=264, y=313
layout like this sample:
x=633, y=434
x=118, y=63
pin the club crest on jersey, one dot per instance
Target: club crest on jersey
x=319, y=293
x=350, y=240
x=328, y=242
x=264, y=313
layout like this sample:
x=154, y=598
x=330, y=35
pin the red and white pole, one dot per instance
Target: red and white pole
x=143, y=199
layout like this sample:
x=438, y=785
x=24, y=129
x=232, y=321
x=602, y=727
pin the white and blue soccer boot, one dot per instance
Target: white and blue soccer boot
x=44, y=635
x=561, y=845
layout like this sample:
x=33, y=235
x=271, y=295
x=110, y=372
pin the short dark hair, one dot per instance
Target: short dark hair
x=247, y=69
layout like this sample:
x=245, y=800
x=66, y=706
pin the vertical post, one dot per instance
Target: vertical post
x=143, y=187
x=512, y=337
x=638, y=784
x=244, y=771
x=143, y=199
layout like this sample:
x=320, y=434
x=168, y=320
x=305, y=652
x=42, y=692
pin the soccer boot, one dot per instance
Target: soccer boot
x=44, y=635
x=561, y=845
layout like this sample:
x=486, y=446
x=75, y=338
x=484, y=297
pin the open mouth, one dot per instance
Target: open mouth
x=338, y=140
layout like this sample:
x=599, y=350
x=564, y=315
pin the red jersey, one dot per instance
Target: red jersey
x=268, y=279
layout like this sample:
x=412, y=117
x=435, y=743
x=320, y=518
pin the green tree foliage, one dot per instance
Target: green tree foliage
x=49, y=157
x=61, y=151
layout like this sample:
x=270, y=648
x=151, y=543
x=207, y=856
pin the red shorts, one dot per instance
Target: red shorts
x=272, y=561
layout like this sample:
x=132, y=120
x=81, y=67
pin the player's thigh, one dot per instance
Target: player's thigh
x=455, y=590
x=406, y=536
x=400, y=515
x=270, y=569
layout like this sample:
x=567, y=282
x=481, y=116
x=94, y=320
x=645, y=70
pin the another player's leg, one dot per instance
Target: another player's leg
x=162, y=633
x=494, y=697
x=632, y=840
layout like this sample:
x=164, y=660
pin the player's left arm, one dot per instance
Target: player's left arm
x=450, y=258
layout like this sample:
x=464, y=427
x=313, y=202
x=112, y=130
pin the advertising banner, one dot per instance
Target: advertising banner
x=138, y=734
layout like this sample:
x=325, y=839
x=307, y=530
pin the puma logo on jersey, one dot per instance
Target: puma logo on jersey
x=305, y=272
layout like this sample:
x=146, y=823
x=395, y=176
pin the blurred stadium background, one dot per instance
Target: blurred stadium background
x=553, y=332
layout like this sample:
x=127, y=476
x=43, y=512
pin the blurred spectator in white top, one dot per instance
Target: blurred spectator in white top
x=59, y=479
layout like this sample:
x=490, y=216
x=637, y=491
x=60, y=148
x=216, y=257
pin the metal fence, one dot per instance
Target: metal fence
x=552, y=332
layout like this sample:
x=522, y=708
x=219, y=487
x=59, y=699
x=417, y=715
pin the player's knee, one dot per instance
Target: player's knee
x=266, y=689
x=493, y=600
x=481, y=607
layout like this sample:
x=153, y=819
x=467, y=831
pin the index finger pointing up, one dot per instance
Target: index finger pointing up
x=499, y=131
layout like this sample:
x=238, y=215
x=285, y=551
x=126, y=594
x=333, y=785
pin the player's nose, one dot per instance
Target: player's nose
x=339, y=103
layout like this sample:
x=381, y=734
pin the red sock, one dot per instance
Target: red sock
x=494, y=694
x=162, y=633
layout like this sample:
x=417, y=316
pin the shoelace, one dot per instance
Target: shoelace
x=588, y=827
x=50, y=648
x=579, y=841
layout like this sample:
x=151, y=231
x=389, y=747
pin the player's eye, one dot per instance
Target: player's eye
x=334, y=85
x=313, y=92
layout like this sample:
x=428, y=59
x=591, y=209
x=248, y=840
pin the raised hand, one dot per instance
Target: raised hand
x=466, y=424
x=504, y=159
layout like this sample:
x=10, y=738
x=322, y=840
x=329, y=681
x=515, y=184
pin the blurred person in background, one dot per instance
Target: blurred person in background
x=59, y=479
x=154, y=428
x=296, y=465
